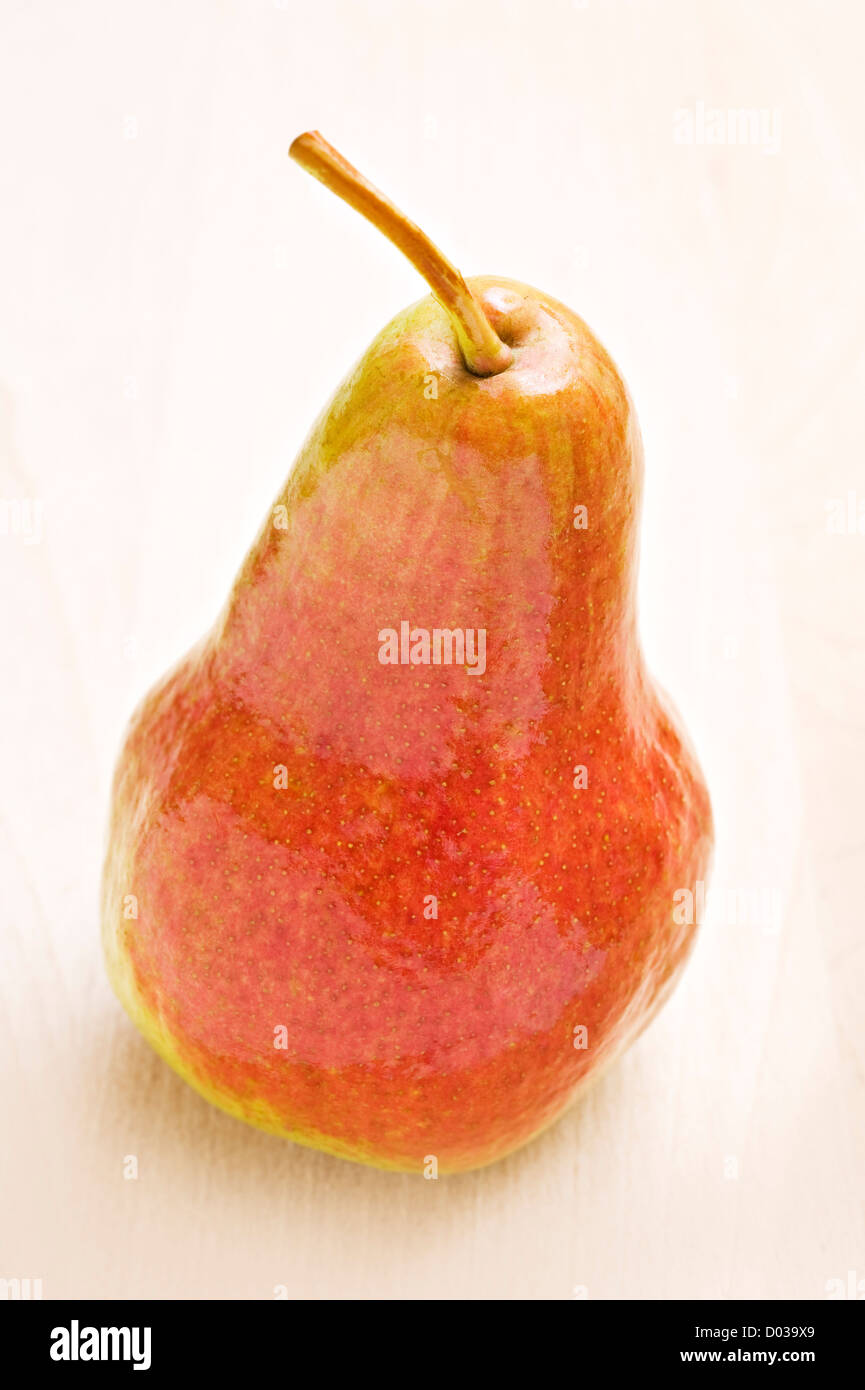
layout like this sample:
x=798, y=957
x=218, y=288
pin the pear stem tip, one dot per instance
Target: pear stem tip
x=483, y=351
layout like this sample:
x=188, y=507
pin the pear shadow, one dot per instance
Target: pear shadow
x=255, y=1181
x=137, y=1082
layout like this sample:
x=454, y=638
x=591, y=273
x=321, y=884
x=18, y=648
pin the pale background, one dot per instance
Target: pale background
x=169, y=328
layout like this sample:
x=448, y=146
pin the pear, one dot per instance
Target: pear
x=398, y=852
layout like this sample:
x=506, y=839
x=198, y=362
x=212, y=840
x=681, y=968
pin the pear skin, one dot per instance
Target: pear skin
x=396, y=908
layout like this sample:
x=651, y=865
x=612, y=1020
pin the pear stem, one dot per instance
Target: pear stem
x=482, y=349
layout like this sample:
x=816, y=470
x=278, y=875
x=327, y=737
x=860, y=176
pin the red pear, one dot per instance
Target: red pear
x=394, y=851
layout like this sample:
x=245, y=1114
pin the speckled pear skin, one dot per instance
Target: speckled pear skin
x=286, y=807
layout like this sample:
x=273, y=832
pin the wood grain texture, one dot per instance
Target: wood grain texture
x=163, y=351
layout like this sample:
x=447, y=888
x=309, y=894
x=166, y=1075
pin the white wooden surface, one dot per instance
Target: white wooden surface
x=168, y=330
